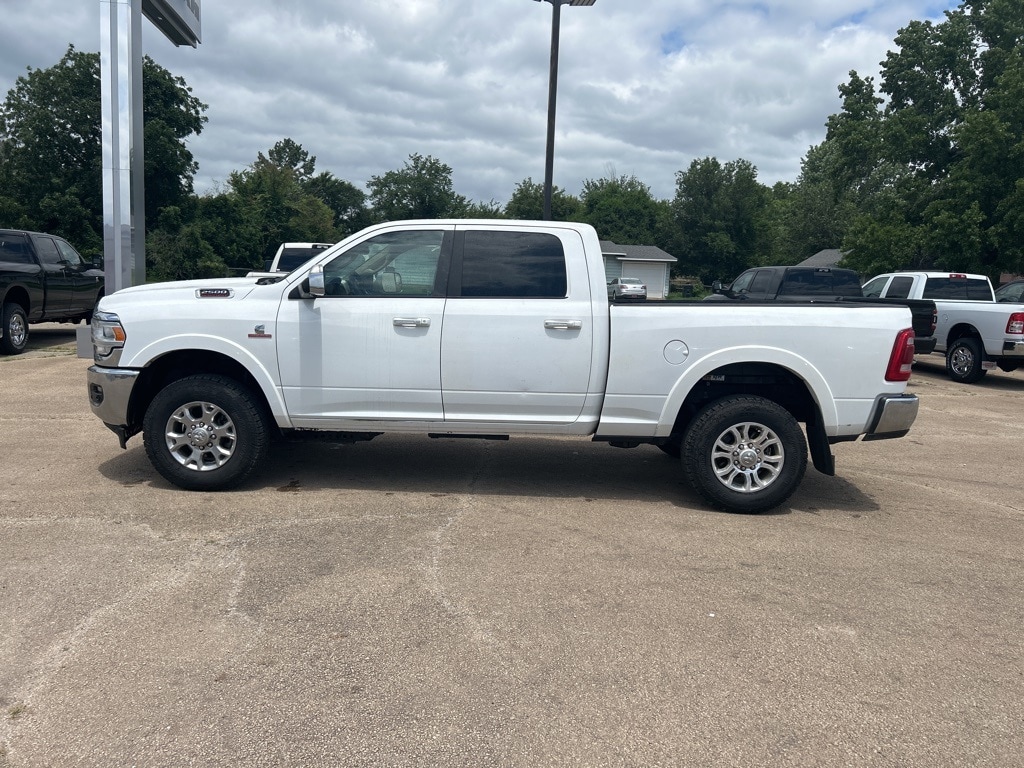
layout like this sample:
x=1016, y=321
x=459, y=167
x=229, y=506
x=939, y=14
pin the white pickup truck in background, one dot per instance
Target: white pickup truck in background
x=289, y=256
x=489, y=329
x=973, y=331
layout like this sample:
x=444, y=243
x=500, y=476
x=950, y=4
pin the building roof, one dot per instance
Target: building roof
x=636, y=252
x=830, y=257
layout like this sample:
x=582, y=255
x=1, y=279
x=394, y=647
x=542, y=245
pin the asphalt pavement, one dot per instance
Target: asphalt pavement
x=537, y=602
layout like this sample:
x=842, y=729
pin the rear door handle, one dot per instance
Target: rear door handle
x=411, y=322
x=563, y=325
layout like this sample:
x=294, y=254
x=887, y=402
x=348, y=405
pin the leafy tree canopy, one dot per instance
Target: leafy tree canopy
x=50, y=147
x=421, y=189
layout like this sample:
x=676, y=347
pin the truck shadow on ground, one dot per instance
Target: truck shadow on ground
x=539, y=467
x=934, y=366
x=51, y=339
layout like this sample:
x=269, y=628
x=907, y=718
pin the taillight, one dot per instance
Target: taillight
x=1016, y=323
x=902, y=358
x=935, y=320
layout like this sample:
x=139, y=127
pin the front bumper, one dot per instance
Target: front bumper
x=110, y=393
x=892, y=416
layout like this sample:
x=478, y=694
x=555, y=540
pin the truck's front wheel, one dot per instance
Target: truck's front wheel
x=744, y=454
x=963, y=360
x=205, y=433
x=15, y=326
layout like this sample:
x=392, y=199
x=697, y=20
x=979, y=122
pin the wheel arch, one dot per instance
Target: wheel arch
x=181, y=363
x=800, y=389
x=17, y=295
x=959, y=331
x=777, y=375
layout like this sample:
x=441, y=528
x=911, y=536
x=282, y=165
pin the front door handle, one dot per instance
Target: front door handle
x=411, y=322
x=563, y=325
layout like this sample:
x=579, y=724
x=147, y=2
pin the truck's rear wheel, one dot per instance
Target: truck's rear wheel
x=15, y=325
x=963, y=360
x=205, y=433
x=744, y=454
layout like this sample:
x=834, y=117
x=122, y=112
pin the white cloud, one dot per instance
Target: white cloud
x=364, y=85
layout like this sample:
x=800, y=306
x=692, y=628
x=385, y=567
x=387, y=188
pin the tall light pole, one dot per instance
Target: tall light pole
x=549, y=158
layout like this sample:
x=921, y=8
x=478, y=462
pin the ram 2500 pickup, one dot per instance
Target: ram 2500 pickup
x=973, y=331
x=489, y=329
x=42, y=279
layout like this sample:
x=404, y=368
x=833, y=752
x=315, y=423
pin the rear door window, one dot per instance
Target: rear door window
x=900, y=287
x=499, y=264
x=47, y=250
x=762, y=281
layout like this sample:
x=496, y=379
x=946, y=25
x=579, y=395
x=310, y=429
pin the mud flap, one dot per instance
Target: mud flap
x=821, y=453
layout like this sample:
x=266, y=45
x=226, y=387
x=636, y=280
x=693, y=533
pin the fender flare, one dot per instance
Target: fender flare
x=799, y=366
x=205, y=343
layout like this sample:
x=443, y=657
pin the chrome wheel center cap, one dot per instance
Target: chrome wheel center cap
x=748, y=458
x=201, y=436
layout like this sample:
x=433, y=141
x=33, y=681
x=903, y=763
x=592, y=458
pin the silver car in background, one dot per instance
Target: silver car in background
x=624, y=288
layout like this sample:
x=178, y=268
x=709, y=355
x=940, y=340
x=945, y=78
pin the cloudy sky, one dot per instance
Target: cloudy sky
x=644, y=87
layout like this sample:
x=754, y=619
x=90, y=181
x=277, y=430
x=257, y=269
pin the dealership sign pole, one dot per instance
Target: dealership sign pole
x=124, y=202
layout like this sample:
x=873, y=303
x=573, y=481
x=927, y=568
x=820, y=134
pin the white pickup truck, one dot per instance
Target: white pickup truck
x=489, y=329
x=973, y=331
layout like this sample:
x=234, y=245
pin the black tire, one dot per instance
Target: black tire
x=744, y=454
x=206, y=433
x=963, y=360
x=15, y=325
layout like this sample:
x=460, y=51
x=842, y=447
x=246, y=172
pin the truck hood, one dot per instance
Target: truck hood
x=223, y=289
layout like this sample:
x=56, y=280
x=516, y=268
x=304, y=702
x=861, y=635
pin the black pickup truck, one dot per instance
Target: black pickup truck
x=822, y=284
x=42, y=280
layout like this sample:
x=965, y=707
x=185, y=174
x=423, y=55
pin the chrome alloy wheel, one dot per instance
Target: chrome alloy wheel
x=747, y=457
x=962, y=360
x=18, y=329
x=200, y=436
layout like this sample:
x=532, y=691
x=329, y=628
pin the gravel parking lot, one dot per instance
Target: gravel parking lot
x=538, y=602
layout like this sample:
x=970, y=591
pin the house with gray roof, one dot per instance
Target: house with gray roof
x=830, y=257
x=646, y=262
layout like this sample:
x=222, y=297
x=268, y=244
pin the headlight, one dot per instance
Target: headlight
x=107, y=335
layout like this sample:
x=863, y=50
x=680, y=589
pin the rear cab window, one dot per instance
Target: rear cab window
x=820, y=282
x=957, y=287
x=14, y=249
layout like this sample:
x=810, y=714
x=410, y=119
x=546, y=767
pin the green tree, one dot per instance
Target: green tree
x=288, y=154
x=717, y=218
x=527, y=203
x=945, y=189
x=489, y=210
x=179, y=251
x=422, y=189
x=272, y=207
x=620, y=208
x=347, y=202
x=50, y=147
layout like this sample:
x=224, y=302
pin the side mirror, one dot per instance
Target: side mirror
x=716, y=287
x=314, y=284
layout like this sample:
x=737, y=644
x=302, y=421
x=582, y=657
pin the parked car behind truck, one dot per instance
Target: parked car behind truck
x=797, y=283
x=974, y=331
x=488, y=329
x=42, y=279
